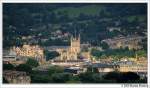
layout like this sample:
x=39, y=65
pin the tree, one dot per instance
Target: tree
x=74, y=79
x=61, y=77
x=129, y=77
x=112, y=76
x=83, y=16
x=97, y=78
x=144, y=44
x=18, y=42
x=90, y=77
x=104, y=45
x=141, y=53
x=4, y=80
x=37, y=78
x=8, y=67
x=86, y=77
x=122, y=77
x=24, y=67
x=50, y=55
x=96, y=52
x=55, y=69
x=32, y=63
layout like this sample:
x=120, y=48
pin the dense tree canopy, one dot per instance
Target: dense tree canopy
x=24, y=67
x=122, y=77
x=8, y=66
x=50, y=54
x=91, y=20
x=118, y=53
x=32, y=62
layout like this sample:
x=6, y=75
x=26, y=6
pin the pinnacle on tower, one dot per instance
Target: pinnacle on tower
x=79, y=37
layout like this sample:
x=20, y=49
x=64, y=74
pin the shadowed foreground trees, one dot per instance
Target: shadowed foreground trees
x=56, y=74
x=61, y=77
x=4, y=80
x=8, y=67
x=24, y=67
x=122, y=77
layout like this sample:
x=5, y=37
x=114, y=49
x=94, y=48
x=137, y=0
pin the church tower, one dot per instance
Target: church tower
x=74, y=48
x=73, y=51
x=75, y=44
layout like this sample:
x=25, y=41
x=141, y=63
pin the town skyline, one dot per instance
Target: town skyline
x=75, y=43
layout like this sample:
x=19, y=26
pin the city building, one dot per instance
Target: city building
x=30, y=51
x=67, y=63
x=139, y=66
x=75, y=70
x=132, y=42
x=16, y=77
x=9, y=57
x=104, y=67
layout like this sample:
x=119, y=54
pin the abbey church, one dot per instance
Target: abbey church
x=72, y=52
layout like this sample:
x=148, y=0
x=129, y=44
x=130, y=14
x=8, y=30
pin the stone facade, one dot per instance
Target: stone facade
x=30, y=51
x=132, y=42
x=140, y=65
x=72, y=52
x=16, y=77
x=9, y=57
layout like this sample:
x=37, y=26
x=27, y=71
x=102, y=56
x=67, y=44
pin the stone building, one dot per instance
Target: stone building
x=139, y=66
x=30, y=51
x=72, y=52
x=133, y=68
x=132, y=42
x=9, y=57
x=105, y=67
x=16, y=77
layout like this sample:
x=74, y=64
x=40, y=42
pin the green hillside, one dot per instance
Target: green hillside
x=91, y=10
x=92, y=21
